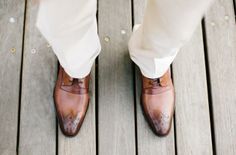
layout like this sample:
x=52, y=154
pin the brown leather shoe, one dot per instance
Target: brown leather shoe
x=71, y=98
x=158, y=102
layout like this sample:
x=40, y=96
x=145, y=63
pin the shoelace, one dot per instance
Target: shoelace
x=76, y=81
x=155, y=82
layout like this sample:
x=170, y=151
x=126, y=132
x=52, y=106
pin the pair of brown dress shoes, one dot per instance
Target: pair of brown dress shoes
x=71, y=97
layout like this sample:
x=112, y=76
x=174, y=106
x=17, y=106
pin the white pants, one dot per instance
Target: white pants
x=71, y=29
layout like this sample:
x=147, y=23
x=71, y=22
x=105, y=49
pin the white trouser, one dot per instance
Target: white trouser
x=71, y=29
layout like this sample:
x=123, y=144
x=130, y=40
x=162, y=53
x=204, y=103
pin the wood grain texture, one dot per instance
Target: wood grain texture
x=11, y=34
x=37, y=121
x=148, y=142
x=193, y=130
x=221, y=44
x=116, y=92
x=85, y=142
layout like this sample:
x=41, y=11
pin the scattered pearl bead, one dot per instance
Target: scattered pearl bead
x=12, y=20
x=107, y=39
x=123, y=32
x=33, y=51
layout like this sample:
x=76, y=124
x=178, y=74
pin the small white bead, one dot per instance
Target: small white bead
x=226, y=17
x=107, y=39
x=33, y=51
x=213, y=24
x=123, y=32
x=12, y=20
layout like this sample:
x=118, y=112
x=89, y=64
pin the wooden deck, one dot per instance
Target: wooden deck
x=203, y=73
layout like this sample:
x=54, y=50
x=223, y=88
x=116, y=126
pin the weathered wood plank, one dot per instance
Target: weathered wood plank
x=116, y=92
x=37, y=121
x=148, y=142
x=193, y=128
x=11, y=34
x=85, y=142
x=221, y=44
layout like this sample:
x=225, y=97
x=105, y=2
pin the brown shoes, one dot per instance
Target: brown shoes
x=158, y=102
x=71, y=98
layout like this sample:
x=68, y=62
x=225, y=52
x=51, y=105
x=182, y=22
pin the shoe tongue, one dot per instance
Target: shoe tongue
x=67, y=80
x=164, y=80
x=81, y=83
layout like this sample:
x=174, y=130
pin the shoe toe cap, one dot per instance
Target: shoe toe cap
x=70, y=126
x=161, y=126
